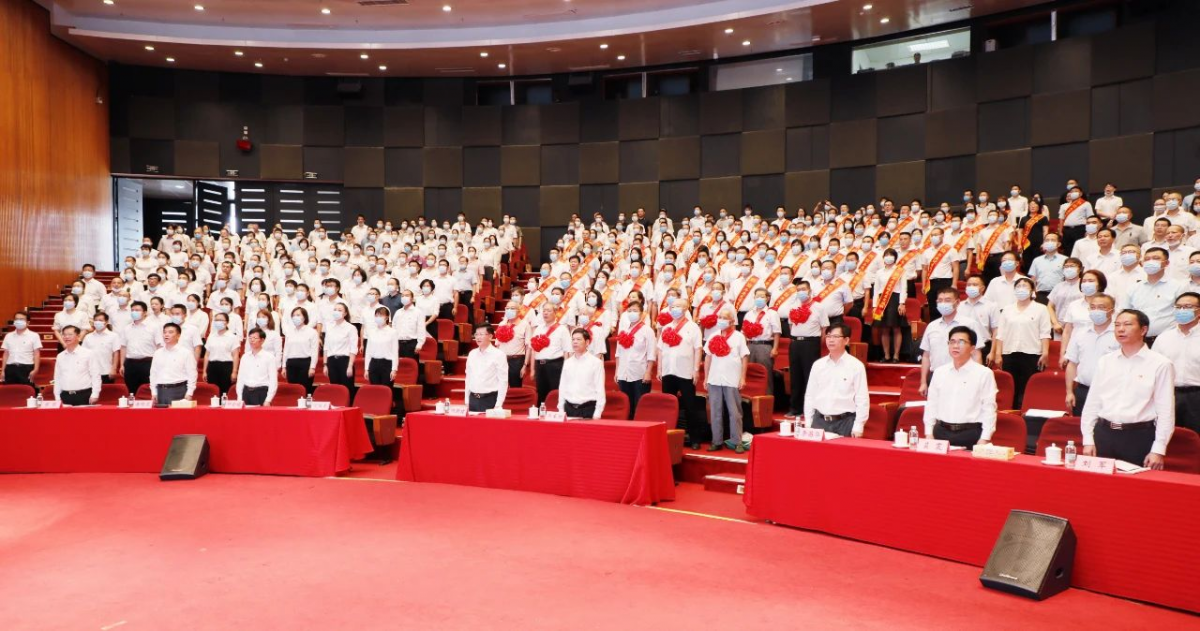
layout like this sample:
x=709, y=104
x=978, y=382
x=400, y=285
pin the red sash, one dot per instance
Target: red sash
x=1030, y=222
x=902, y=225
x=863, y=266
x=746, y=290
x=890, y=286
x=785, y=296
x=987, y=248
x=829, y=289
x=962, y=240
x=537, y=301
x=773, y=275
x=937, y=258
x=1070, y=209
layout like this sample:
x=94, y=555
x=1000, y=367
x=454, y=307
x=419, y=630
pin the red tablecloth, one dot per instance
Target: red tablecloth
x=614, y=461
x=108, y=439
x=1136, y=534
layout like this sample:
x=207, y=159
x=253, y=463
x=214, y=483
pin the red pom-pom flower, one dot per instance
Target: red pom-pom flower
x=625, y=339
x=709, y=321
x=671, y=338
x=718, y=346
x=504, y=333
x=800, y=314
x=665, y=318
x=752, y=329
x=539, y=342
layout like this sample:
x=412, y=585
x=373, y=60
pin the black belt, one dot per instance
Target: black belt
x=837, y=417
x=139, y=359
x=480, y=395
x=549, y=361
x=255, y=388
x=1126, y=426
x=805, y=338
x=516, y=357
x=338, y=357
x=762, y=341
x=958, y=427
x=1187, y=388
x=181, y=384
x=77, y=391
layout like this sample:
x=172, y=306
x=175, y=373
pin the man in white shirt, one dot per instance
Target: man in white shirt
x=837, y=399
x=258, y=372
x=1156, y=296
x=1087, y=346
x=935, y=348
x=71, y=316
x=808, y=322
x=173, y=371
x=961, y=406
x=22, y=352
x=548, y=346
x=1180, y=344
x=635, y=356
x=76, y=380
x=487, y=373
x=679, y=355
x=105, y=346
x=726, y=358
x=581, y=389
x=1107, y=206
x=1130, y=411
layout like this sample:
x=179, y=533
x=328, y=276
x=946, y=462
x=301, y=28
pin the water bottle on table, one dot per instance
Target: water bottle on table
x=1070, y=453
x=913, y=437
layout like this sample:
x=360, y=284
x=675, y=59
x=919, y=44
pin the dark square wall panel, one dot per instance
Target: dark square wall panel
x=598, y=198
x=720, y=155
x=403, y=203
x=1125, y=161
x=1175, y=99
x=720, y=112
x=951, y=132
x=1106, y=111
x=680, y=196
x=680, y=115
x=639, y=161
x=560, y=164
x=808, y=148
x=282, y=162
x=443, y=126
x=1060, y=117
x=1062, y=66
x=855, y=187
x=1137, y=107
x=403, y=167
x=1004, y=125
x=852, y=144
x=118, y=155
x=901, y=138
x=997, y=171
x=599, y=163
x=1053, y=166
x=952, y=83
x=284, y=125
x=763, y=192
x=558, y=203
x=281, y=90
x=404, y=127
x=481, y=126
x=363, y=201
x=634, y=195
x=197, y=158
x=443, y=167
x=597, y=121
x=443, y=204
x=521, y=125
x=480, y=202
x=324, y=126
x=803, y=189
x=364, y=126
x=520, y=165
x=946, y=178
x=722, y=192
x=807, y=102
x=240, y=88
x=902, y=90
x=1185, y=152
x=763, y=152
x=329, y=163
x=1124, y=54
x=853, y=97
x=207, y=120
x=901, y=180
x=481, y=166
x=193, y=85
x=1004, y=74
x=151, y=118
x=638, y=119
x=560, y=123
x=679, y=158
x=763, y=108
x=522, y=202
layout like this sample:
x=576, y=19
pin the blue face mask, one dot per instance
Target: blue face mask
x=760, y=303
x=1098, y=316
x=770, y=258
x=676, y=312
x=945, y=308
x=1184, y=316
x=511, y=314
x=972, y=292
x=1194, y=269
x=405, y=300
x=802, y=295
x=1008, y=266
x=545, y=273
x=883, y=240
x=1088, y=288
x=564, y=283
x=1022, y=294
x=722, y=324
x=1129, y=259
x=1152, y=267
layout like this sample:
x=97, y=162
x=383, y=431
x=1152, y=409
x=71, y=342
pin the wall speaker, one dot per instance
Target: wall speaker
x=187, y=459
x=1033, y=556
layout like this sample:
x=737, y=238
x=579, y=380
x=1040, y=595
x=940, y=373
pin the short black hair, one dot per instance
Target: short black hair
x=259, y=332
x=70, y=326
x=1142, y=319
x=139, y=303
x=172, y=325
x=486, y=326
x=587, y=335
x=972, y=337
x=841, y=327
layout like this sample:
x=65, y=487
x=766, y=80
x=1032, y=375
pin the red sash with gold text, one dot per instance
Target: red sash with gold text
x=890, y=286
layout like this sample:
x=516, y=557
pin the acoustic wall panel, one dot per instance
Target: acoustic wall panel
x=901, y=138
x=679, y=158
x=946, y=178
x=634, y=195
x=197, y=158
x=763, y=152
x=403, y=203
x=321, y=91
x=721, y=192
x=449, y=92
x=560, y=164
x=151, y=118
x=324, y=126
x=282, y=162
x=206, y=120
x=282, y=90
x=1124, y=161
x=997, y=171
x=763, y=192
x=852, y=143
x=679, y=196
x=597, y=121
x=1053, y=166
x=481, y=166
x=284, y=125
x=443, y=126
x=403, y=167
x=1123, y=55
x=1186, y=156
x=480, y=202
x=950, y=132
x=599, y=163
x=364, y=167
x=404, y=126
x=239, y=88
x=481, y=126
x=364, y=126
x=520, y=124
x=522, y=202
x=720, y=112
x=901, y=180
x=720, y=155
x=639, y=161
x=598, y=198
x=520, y=165
x=805, y=188
x=443, y=167
x=403, y=91
x=119, y=158
x=1060, y=117
x=679, y=116
x=1106, y=111
x=1175, y=98
x=368, y=202
x=1004, y=125
x=560, y=123
x=852, y=186
x=1004, y=74
x=1062, y=66
x=763, y=108
x=329, y=163
x=1172, y=37
x=1164, y=158
x=443, y=204
x=1137, y=107
x=638, y=119
x=903, y=90
x=808, y=102
x=952, y=84
x=558, y=203
x=853, y=97
x=808, y=148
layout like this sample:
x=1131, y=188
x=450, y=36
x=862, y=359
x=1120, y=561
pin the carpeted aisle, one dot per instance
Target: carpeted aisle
x=126, y=552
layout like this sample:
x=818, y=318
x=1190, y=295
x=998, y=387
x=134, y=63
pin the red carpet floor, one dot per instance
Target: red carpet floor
x=127, y=552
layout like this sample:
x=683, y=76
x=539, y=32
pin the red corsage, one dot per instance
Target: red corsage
x=671, y=338
x=752, y=329
x=504, y=333
x=800, y=314
x=709, y=321
x=665, y=318
x=625, y=339
x=539, y=342
x=718, y=346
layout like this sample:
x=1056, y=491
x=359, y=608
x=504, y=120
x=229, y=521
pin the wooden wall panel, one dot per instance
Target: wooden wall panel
x=55, y=186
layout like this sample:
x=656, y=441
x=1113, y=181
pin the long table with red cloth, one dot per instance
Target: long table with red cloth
x=108, y=439
x=1136, y=533
x=614, y=461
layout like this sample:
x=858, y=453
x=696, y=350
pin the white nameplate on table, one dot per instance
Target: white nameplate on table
x=809, y=433
x=457, y=410
x=1093, y=464
x=1047, y=414
x=320, y=405
x=933, y=446
x=557, y=417
x=1129, y=467
x=234, y=405
x=142, y=404
x=50, y=405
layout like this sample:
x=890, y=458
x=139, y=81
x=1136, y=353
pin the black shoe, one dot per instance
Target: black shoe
x=715, y=447
x=694, y=446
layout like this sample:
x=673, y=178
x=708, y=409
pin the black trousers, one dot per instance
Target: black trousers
x=482, y=402
x=583, y=410
x=465, y=298
x=801, y=355
x=137, y=374
x=965, y=437
x=445, y=312
x=1131, y=445
x=635, y=390
x=1070, y=236
x=408, y=348
x=547, y=376
x=379, y=372
x=78, y=397
x=16, y=374
x=935, y=285
x=1187, y=407
x=842, y=424
x=991, y=266
x=690, y=419
x=514, y=371
x=1021, y=366
x=254, y=396
x=169, y=393
x=1081, y=395
x=220, y=374
x=336, y=367
x=297, y=372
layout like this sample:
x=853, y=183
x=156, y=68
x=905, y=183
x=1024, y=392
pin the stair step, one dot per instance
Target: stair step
x=725, y=483
x=698, y=464
x=888, y=375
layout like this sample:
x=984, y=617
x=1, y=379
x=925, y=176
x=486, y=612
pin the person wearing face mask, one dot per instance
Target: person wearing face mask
x=1178, y=253
x=1047, y=269
x=991, y=242
x=222, y=289
x=726, y=357
x=635, y=355
x=1030, y=233
x=1177, y=213
x=139, y=340
x=1106, y=207
x=118, y=311
x=548, y=346
x=1022, y=344
x=1000, y=289
x=1158, y=233
x=1128, y=233
x=979, y=309
x=1088, y=344
x=742, y=287
x=22, y=352
x=679, y=355
x=512, y=338
x=1128, y=275
x=1018, y=205
x=1156, y=297
x=189, y=335
x=340, y=344
x=1073, y=214
x=1178, y=344
x=592, y=318
x=381, y=342
x=328, y=303
x=355, y=293
x=105, y=345
x=935, y=348
x=71, y=315
x=808, y=320
x=1106, y=258
x=222, y=351
x=938, y=265
x=718, y=298
x=832, y=292
x=889, y=292
x=467, y=281
x=762, y=330
x=1068, y=301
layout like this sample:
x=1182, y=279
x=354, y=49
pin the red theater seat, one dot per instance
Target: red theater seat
x=14, y=395
x=335, y=393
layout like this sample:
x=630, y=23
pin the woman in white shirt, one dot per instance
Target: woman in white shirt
x=381, y=348
x=266, y=320
x=890, y=279
x=221, y=354
x=300, y=351
x=355, y=292
x=235, y=320
x=1076, y=314
x=340, y=347
x=1022, y=344
x=428, y=305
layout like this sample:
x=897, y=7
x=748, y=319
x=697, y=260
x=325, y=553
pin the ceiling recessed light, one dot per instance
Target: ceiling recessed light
x=446, y=8
x=199, y=7
x=109, y=2
x=779, y=70
x=620, y=57
x=868, y=7
x=170, y=60
x=149, y=48
x=383, y=67
x=325, y=11
x=746, y=43
x=178, y=186
x=258, y=64
x=789, y=78
x=483, y=54
x=885, y=20
x=502, y=66
x=238, y=53
x=728, y=31
x=364, y=56
x=603, y=46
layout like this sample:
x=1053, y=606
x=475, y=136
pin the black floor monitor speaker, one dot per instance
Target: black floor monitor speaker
x=187, y=459
x=1033, y=556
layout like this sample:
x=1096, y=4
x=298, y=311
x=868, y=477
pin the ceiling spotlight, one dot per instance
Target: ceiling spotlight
x=149, y=48
x=383, y=67
x=446, y=8
x=603, y=46
x=109, y=2
x=789, y=78
x=502, y=66
x=364, y=56
x=238, y=53
x=885, y=20
x=620, y=57
x=728, y=31
x=746, y=43
x=483, y=54
x=178, y=186
x=199, y=7
x=325, y=11
x=779, y=70
x=868, y=7
x=170, y=60
x=258, y=64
